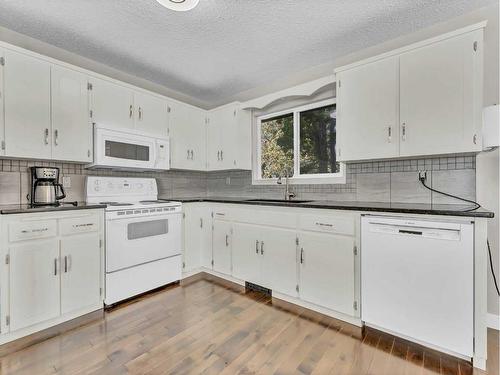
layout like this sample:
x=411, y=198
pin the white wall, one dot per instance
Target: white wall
x=487, y=164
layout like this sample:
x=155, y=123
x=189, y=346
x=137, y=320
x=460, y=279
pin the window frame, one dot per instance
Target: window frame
x=320, y=178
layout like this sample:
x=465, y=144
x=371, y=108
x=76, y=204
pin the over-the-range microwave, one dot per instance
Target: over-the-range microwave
x=128, y=149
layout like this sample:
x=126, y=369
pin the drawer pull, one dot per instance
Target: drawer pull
x=39, y=230
x=324, y=224
x=220, y=214
x=83, y=225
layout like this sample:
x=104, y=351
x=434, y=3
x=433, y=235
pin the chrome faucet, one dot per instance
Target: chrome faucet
x=288, y=194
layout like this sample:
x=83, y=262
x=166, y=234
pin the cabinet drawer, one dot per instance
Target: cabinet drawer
x=339, y=224
x=27, y=231
x=79, y=225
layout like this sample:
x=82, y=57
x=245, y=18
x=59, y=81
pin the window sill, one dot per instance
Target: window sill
x=303, y=180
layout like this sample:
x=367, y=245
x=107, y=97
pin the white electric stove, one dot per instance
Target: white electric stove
x=143, y=235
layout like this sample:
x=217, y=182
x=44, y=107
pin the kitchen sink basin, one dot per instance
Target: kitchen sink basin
x=276, y=201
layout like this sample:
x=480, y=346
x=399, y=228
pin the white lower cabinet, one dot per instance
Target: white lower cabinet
x=221, y=246
x=52, y=270
x=327, y=271
x=34, y=292
x=80, y=272
x=302, y=255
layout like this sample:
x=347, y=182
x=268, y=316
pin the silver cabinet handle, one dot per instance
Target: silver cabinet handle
x=187, y=157
x=221, y=155
x=403, y=131
x=389, y=134
x=218, y=155
x=55, y=266
x=140, y=113
x=192, y=155
x=301, y=255
x=46, y=136
x=130, y=111
x=262, y=248
x=201, y=222
x=65, y=264
x=70, y=263
x=227, y=240
x=257, y=246
x=324, y=224
x=56, y=137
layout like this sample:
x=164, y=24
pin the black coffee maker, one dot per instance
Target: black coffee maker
x=45, y=187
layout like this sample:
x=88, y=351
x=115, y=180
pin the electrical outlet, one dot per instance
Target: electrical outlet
x=66, y=182
x=228, y=180
x=422, y=175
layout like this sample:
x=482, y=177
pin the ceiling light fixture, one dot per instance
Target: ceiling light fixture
x=179, y=5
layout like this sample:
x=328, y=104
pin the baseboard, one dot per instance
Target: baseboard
x=493, y=321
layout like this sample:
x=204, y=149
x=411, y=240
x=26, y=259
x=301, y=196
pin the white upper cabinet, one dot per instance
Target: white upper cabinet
x=27, y=106
x=151, y=114
x=440, y=100
x=424, y=99
x=71, y=129
x=223, y=149
x=112, y=104
x=367, y=111
x=187, y=136
x=2, y=127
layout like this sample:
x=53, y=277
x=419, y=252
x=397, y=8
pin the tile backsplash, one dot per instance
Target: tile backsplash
x=379, y=181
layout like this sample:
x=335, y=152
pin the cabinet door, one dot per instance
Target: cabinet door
x=327, y=271
x=27, y=106
x=112, y=104
x=247, y=258
x=34, y=283
x=214, y=145
x=193, y=226
x=368, y=111
x=221, y=246
x=2, y=126
x=438, y=96
x=187, y=137
x=244, y=140
x=206, y=238
x=151, y=114
x=222, y=146
x=279, y=250
x=80, y=272
x=71, y=127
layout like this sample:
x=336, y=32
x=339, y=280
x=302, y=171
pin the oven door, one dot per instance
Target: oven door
x=114, y=148
x=134, y=241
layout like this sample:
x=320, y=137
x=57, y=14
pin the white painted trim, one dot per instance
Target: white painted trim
x=304, y=90
x=413, y=46
x=493, y=321
x=325, y=178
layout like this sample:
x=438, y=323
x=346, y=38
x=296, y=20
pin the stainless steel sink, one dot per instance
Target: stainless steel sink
x=276, y=201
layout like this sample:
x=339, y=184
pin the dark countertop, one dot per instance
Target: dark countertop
x=408, y=208
x=26, y=208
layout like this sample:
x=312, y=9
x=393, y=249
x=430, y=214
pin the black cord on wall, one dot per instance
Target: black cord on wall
x=422, y=179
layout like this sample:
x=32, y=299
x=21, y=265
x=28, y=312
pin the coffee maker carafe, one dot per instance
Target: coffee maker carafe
x=45, y=187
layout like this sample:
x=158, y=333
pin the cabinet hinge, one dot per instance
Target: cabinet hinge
x=169, y=109
x=355, y=305
x=7, y=259
x=355, y=250
x=7, y=320
x=91, y=113
x=183, y=215
x=474, y=46
x=212, y=262
x=297, y=287
x=3, y=145
x=212, y=213
x=2, y=61
x=88, y=153
x=100, y=291
x=297, y=241
x=89, y=86
x=183, y=265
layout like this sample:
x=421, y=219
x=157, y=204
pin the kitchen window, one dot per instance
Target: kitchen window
x=301, y=142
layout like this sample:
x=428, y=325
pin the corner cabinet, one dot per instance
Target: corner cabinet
x=52, y=269
x=423, y=99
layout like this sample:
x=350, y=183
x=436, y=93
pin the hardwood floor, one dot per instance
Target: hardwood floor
x=208, y=328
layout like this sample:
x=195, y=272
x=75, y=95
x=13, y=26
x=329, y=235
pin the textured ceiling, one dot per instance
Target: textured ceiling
x=222, y=47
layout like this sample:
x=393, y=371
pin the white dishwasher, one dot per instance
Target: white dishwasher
x=417, y=281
